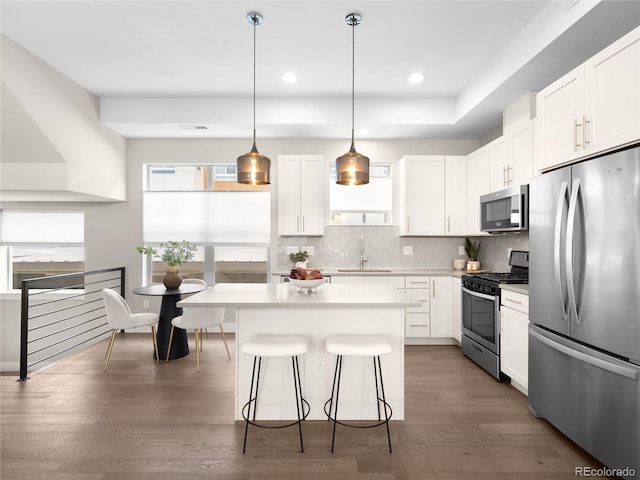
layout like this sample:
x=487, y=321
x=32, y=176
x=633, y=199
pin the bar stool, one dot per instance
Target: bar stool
x=360, y=346
x=274, y=346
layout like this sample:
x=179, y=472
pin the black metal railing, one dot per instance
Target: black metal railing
x=61, y=313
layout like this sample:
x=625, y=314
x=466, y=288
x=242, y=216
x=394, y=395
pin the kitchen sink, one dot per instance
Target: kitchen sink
x=364, y=270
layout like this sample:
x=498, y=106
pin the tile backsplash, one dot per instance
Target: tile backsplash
x=383, y=247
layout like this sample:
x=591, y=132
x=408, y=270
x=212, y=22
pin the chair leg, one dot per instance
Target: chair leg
x=246, y=424
x=170, y=342
x=110, y=347
x=198, y=336
x=375, y=375
x=224, y=339
x=155, y=342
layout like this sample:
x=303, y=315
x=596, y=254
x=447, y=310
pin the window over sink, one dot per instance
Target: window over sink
x=369, y=204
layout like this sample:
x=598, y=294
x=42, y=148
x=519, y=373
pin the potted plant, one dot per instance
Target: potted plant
x=299, y=259
x=175, y=254
x=473, y=251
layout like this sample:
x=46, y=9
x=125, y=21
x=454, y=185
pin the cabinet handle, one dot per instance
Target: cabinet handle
x=448, y=224
x=419, y=325
x=513, y=301
x=509, y=180
x=303, y=223
x=575, y=134
x=584, y=131
x=505, y=176
x=433, y=289
x=415, y=282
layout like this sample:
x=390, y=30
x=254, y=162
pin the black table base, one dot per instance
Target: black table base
x=179, y=345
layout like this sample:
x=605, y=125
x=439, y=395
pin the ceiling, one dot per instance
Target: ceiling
x=163, y=68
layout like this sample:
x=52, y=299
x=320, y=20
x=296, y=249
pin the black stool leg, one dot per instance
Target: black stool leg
x=255, y=407
x=375, y=375
x=333, y=389
x=297, y=385
x=384, y=400
x=337, y=389
x=253, y=377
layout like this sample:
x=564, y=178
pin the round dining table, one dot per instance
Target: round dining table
x=168, y=311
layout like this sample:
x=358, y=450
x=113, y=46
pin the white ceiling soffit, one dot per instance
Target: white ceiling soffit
x=184, y=69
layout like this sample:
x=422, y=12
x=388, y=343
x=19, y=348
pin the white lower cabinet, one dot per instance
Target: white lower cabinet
x=417, y=319
x=441, y=308
x=514, y=338
x=456, y=296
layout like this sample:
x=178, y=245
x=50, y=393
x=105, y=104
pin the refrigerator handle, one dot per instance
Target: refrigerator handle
x=573, y=202
x=557, y=248
x=630, y=373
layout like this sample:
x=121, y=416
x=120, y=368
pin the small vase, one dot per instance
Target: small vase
x=172, y=279
x=473, y=265
x=301, y=264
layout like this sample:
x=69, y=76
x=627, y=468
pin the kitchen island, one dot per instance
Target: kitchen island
x=282, y=309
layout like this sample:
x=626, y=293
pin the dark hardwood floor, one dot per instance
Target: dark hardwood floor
x=146, y=421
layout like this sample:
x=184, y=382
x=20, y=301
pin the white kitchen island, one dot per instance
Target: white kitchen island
x=280, y=309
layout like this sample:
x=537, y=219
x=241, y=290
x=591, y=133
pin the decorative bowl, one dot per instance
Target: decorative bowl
x=459, y=263
x=307, y=283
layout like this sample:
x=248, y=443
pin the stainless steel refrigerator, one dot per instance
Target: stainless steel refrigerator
x=584, y=286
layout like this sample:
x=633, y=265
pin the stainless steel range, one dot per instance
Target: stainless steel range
x=481, y=311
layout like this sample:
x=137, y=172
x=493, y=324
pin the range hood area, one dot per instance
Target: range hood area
x=54, y=148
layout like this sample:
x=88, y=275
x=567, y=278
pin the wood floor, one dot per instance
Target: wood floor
x=147, y=421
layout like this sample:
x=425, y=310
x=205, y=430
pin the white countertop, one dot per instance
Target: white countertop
x=277, y=295
x=516, y=287
x=388, y=272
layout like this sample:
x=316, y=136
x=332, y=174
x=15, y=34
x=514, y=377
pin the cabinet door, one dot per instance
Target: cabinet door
x=514, y=347
x=478, y=183
x=520, y=145
x=423, y=195
x=416, y=325
x=612, y=85
x=288, y=194
x=456, y=195
x=312, y=194
x=441, y=307
x=500, y=165
x=456, y=295
x=558, y=130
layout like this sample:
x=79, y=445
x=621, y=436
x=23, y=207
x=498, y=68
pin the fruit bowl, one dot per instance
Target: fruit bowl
x=307, y=283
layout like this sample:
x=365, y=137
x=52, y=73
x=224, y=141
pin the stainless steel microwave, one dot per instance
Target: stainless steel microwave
x=506, y=210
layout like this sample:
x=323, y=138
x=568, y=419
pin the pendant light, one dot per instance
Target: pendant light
x=253, y=167
x=352, y=168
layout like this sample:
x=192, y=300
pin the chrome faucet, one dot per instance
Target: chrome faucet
x=363, y=259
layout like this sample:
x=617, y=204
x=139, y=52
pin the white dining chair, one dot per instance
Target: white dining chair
x=198, y=319
x=119, y=317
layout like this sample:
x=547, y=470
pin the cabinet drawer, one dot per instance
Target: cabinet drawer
x=417, y=282
x=420, y=294
x=417, y=325
x=515, y=300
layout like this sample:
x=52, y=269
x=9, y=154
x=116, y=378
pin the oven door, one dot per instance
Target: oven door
x=481, y=319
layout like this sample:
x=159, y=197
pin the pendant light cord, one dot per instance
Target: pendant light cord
x=353, y=76
x=255, y=24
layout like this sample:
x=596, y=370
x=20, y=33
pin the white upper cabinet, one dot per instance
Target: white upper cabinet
x=432, y=195
x=478, y=183
x=301, y=194
x=422, y=194
x=500, y=162
x=456, y=195
x=520, y=147
x=593, y=108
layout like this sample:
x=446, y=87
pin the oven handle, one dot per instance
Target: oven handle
x=480, y=295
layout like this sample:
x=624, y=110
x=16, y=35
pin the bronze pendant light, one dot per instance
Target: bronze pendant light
x=352, y=168
x=253, y=167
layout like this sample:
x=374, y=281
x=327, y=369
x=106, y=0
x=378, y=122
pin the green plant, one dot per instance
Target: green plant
x=299, y=256
x=472, y=249
x=175, y=253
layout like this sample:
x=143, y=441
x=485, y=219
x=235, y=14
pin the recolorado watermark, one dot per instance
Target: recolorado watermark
x=604, y=472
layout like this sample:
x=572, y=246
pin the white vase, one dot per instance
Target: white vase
x=301, y=264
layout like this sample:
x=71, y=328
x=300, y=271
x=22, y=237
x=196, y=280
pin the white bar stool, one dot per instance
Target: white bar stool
x=275, y=346
x=360, y=346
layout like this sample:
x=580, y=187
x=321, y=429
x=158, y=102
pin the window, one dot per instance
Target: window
x=230, y=222
x=369, y=204
x=40, y=244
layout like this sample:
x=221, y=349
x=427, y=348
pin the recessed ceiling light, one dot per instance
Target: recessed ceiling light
x=290, y=77
x=168, y=75
x=416, y=77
